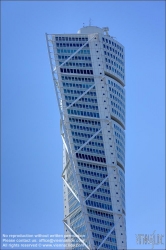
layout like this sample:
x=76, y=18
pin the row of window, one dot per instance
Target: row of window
x=93, y=181
x=72, y=51
x=101, y=229
x=99, y=205
x=99, y=236
x=100, y=197
x=83, y=106
x=65, y=38
x=71, y=45
x=101, y=214
x=113, y=43
x=115, y=58
x=86, y=194
x=73, y=85
x=73, y=64
x=94, y=144
x=92, y=166
x=90, y=157
x=74, y=133
x=91, y=129
x=83, y=113
x=113, y=50
x=75, y=58
x=101, y=190
x=104, y=222
x=116, y=65
x=90, y=180
x=72, y=98
x=113, y=63
x=85, y=121
x=78, y=79
x=91, y=173
x=77, y=71
x=79, y=92
x=109, y=54
x=80, y=104
x=78, y=141
x=91, y=150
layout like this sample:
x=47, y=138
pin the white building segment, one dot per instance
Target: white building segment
x=88, y=70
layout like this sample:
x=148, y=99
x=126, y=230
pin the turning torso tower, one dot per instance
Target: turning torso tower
x=88, y=71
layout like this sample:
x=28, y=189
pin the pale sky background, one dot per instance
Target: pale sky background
x=32, y=197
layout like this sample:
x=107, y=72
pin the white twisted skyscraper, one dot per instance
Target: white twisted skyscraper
x=89, y=77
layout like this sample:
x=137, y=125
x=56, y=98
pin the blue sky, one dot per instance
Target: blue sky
x=32, y=199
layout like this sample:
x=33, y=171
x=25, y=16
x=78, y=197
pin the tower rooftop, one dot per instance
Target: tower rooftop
x=92, y=29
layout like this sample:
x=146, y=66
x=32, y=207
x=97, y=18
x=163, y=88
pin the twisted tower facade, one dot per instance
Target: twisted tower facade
x=88, y=71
